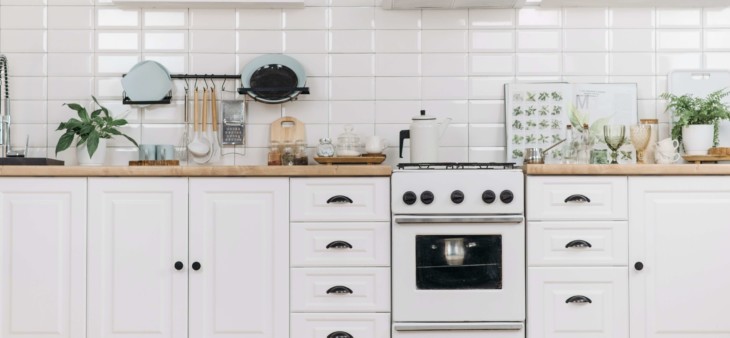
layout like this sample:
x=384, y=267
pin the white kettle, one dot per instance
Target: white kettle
x=425, y=133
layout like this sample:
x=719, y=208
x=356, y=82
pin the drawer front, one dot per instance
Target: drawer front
x=577, y=198
x=340, y=244
x=577, y=243
x=339, y=325
x=578, y=302
x=340, y=199
x=465, y=333
x=340, y=290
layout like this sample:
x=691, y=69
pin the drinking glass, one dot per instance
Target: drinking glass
x=640, y=135
x=615, y=136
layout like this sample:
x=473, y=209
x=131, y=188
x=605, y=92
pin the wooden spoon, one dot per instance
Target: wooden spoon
x=198, y=146
x=215, y=141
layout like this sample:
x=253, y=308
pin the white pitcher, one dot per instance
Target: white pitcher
x=425, y=134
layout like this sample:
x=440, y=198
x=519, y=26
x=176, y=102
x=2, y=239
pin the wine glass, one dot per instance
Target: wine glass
x=615, y=136
x=640, y=135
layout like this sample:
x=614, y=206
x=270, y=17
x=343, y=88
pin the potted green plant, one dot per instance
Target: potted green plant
x=93, y=130
x=696, y=120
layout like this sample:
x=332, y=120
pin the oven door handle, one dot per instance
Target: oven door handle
x=458, y=326
x=513, y=219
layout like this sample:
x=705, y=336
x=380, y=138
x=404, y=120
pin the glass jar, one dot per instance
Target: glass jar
x=325, y=148
x=275, y=153
x=301, y=157
x=287, y=154
x=348, y=143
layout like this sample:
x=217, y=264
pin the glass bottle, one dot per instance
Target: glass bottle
x=325, y=148
x=301, y=157
x=569, y=147
x=287, y=154
x=275, y=153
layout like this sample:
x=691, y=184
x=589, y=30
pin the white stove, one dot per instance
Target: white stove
x=458, y=250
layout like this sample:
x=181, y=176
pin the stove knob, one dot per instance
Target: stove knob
x=507, y=197
x=457, y=196
x=410, y=198
x=489, y=197
x=427, y=197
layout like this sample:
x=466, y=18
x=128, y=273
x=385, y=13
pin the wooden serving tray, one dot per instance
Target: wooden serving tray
x=698, y=159
x=154, y=163
x=364, y=159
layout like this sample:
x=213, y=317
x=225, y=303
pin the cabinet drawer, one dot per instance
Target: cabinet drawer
x=340, y=199
x=340, y=244
x=578, y=302
x=339, y=325
x=458, y=333
x=340, y=290
x=577, y=198
x=577, y=243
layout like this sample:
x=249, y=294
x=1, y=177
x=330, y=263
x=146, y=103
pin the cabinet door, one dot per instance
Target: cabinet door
x=679, y=231
x=239, y=233
x=139, y=230
x=42, y=257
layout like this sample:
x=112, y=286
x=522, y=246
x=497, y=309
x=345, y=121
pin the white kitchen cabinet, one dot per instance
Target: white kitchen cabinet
x=680, y=234
x=138, y=231
x=577, y=303
x=239, y=234
x=353, y=199
x=576, y=198
x=42, y=257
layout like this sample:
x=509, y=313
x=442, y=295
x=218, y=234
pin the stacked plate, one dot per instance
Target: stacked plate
x=147, y=81
x=273, y=78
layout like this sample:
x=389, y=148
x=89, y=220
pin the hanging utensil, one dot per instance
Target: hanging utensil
x=215, y=141
x=198, y=146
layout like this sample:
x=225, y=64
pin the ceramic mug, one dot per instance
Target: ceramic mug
x=165, y=152
x=147, y=152
x=667, y=145
x=375, y=145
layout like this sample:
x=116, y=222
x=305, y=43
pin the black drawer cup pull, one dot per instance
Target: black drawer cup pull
x=578, y=300
x=339, y=334
x=577, y=198
x=196, y=266
x=339, y=199
x=339, y=245
x=179, y=266
x=339, y=290
x=578, y=243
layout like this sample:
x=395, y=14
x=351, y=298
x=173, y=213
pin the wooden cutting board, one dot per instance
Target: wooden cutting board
x=287, y=129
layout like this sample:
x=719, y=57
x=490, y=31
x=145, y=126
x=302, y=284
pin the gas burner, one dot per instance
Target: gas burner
x=457, y=166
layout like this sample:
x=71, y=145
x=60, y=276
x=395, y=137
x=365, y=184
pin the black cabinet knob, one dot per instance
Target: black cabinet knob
x=489, y=197
x=427, y=197
x=410, y=198
x=179, y=266
x=196, y=266
x=457, y=196
x=507, y=197
x=639, y=266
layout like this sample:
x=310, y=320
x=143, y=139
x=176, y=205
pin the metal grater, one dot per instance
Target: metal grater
x=233, y=122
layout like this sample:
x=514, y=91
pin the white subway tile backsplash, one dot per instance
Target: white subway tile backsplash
x=23, y=41
x=488, y=88
x=352, y=41
x=445, y=19
x=319, y=88
x=352, y=112
x=70, y=17
x=395, y=111
x=456, y=110
x=314, y=64
x=306, y=18
x=62, y=64
x=585, y=63
x=487, y=154
x=107, y=17
x=29, y=111
x=401, y=41
x=538, y=40
x=668, y=62
x=353, y=17
x=585, y=18
x=679, y=17
x=717, y=60
x=213, y=41
x=491, y=64
x=352, y=88
x=487, y=135
x=165, y=41
x=631, y=17
x=70, y=88
x=27, y=64
x=492, y=41
x=175, y=63
x=444, y=64
x=585, y=40
x=396, y=64
x=260, y=42
x=71, y=41
x=533, y=17
x=633, y=64
x=115, y=64
x=486, y=111
x=306, y=41
x=212, y=63
x=308, y=112
x=491, y=18
x=444, y=41
x=401, y=19
x=23, y=17
x=118, y=41
x=716, y=40
x=258, y=19
x=717, y=17
x=632, y=40
x=444, y=88
x=678, y=40
x=455, y=135
x=397, y=88
x=165, y=18
x=218, y=19
x=352, y=64
x=539, y=64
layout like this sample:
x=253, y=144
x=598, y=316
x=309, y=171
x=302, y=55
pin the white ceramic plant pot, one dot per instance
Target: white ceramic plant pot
x=697, y=139
x=82, y=154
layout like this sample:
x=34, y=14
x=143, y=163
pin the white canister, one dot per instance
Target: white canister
x=649, y=152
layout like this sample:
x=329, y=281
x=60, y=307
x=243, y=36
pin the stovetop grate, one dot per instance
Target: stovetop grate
x=457, y=166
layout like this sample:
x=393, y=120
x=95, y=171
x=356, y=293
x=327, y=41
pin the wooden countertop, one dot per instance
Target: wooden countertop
x=627, y=169
x=228, y=171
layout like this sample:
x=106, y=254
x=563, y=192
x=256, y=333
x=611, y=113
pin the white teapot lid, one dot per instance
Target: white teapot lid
x=423, y=117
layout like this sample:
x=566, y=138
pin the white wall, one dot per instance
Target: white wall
x=368, y=67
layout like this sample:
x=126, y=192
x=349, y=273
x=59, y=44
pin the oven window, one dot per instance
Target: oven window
x=458, y=262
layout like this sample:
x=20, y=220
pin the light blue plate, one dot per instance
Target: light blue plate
x=275, y=59
x=147, y=81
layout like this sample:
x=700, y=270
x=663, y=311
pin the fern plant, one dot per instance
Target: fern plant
x=90, y=128
x=689, y=110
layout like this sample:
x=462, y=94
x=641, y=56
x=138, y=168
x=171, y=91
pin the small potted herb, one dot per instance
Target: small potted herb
x=93, y=130
x=696, y=120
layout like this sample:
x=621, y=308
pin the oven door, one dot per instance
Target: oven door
x=459, y=268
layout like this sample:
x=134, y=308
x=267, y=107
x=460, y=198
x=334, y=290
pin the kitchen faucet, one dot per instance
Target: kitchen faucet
x=5, y=106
